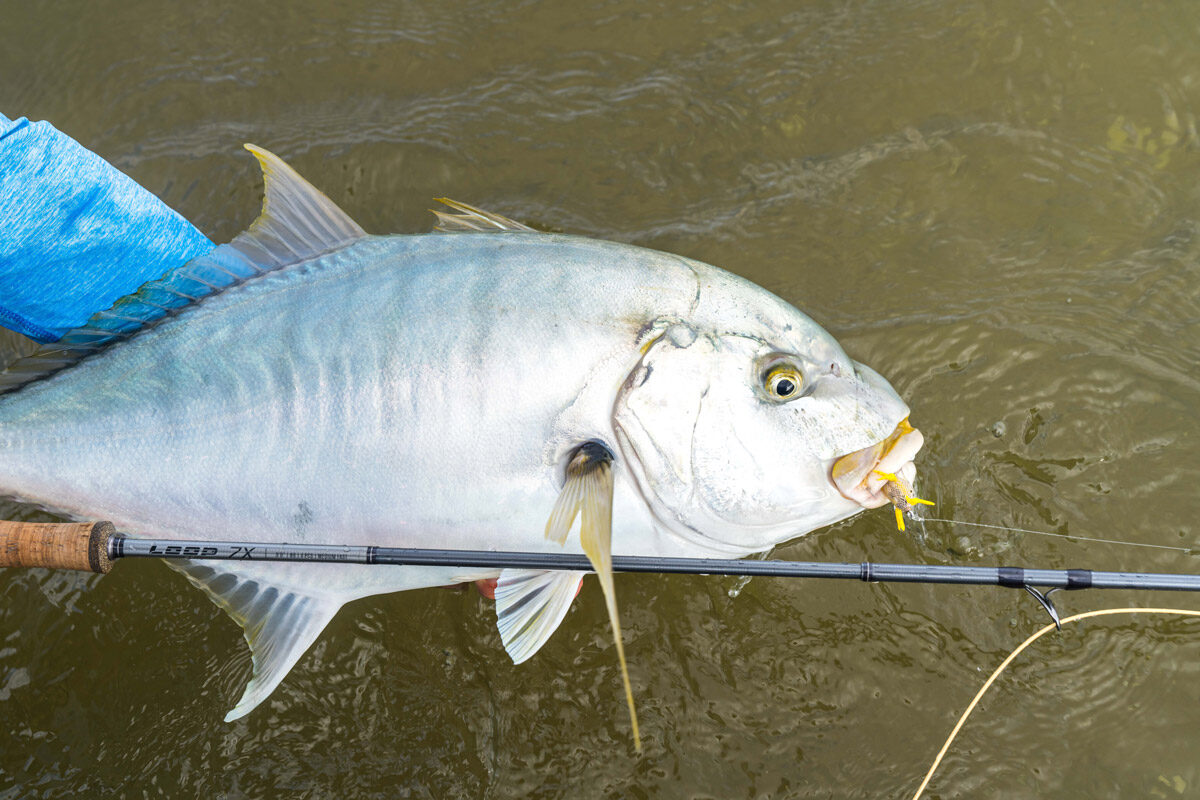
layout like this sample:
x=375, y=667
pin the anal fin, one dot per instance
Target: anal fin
x=279, y=624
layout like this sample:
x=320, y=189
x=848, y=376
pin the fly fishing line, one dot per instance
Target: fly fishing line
x=1104, y=612
x=1186, y=550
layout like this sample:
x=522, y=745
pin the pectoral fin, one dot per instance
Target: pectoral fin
x=588, y=491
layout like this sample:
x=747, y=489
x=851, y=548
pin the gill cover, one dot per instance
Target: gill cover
x=657, y=411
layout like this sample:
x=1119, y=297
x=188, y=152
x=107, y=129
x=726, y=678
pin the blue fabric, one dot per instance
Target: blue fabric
x=76, y=234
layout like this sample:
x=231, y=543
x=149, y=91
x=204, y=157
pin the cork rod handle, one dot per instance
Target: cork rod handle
x=56, y=545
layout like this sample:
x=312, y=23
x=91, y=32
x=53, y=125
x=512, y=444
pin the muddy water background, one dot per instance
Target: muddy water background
x=996, y=205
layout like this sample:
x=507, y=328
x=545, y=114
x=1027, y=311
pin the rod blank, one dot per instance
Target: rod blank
x=1017, y=577
x=93, y=546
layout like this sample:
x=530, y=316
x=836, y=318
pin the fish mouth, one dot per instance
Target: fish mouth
x=856, y=475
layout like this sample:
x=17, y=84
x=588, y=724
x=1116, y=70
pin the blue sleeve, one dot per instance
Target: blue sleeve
x=76, y=234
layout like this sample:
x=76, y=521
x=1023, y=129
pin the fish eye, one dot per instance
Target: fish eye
x=783, y=382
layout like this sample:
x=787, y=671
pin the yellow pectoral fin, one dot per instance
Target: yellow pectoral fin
x=596, y=536
x=566, y=508
x=589, y=490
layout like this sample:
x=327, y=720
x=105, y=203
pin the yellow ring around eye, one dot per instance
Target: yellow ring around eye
x=783, y=382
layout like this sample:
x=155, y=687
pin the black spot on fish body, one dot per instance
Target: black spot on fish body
x=302, y=518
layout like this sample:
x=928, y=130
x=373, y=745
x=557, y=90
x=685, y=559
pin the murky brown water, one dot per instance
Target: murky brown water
x=995, y=204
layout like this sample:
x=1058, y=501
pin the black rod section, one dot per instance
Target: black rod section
x=123, y=547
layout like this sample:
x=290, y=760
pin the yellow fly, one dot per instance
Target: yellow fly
x=902, y=497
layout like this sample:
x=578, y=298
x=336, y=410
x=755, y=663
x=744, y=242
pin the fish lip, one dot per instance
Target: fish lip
x=855, y=475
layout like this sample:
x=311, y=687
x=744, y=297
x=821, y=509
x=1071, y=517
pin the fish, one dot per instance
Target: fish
x=483, y=386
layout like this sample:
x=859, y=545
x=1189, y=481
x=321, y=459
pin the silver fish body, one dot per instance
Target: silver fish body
x=428, y=391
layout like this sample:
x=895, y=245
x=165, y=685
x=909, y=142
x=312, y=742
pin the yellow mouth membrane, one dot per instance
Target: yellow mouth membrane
x=883, y=473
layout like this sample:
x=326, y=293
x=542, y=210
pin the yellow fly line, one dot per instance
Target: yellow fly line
x=1104, y=612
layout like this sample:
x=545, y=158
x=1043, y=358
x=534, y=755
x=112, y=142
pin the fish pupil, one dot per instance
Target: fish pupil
x=785, y=387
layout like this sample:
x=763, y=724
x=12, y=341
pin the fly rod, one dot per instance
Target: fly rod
x=94, y=546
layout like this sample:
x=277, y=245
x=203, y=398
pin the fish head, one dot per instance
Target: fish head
x=740, y=440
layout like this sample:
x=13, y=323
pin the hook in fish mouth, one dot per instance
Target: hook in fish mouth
x=860, y=476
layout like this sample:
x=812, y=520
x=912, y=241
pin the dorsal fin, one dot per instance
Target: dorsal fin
x=297, y=223
x=473, y=220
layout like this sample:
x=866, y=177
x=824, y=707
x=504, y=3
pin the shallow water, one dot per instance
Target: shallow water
x=995, y=205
